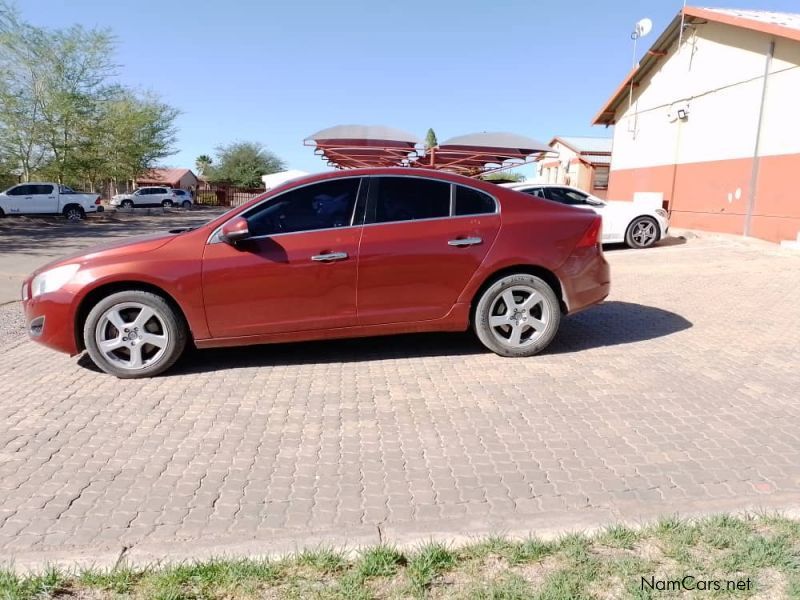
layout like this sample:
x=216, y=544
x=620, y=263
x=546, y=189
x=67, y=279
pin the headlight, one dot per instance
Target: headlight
x=52, y=279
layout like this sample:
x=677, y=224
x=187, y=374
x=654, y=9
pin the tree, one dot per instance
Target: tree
x=60, y=115
x=203, y=163
x=504, y=176
x=21, y=93
x=430, y=139
x=243, y=163
x=129, y=136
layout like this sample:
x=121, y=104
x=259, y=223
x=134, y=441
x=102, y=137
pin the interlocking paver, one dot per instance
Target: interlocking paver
x=681, y=390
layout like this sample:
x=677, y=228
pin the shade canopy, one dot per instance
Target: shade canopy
x=351, y=146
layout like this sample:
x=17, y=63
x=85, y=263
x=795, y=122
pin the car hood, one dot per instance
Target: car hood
x=133, y=245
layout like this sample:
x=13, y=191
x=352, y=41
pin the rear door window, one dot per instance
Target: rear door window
x=565, y=196
x=21, y=190
x=397, y=199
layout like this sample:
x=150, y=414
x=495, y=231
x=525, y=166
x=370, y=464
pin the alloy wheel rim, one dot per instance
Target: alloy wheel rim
x=519, y=316
x=131, y=335
x=644, y=233
x=73, y=215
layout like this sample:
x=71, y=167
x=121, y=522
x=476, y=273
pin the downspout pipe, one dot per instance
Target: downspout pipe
x=751, y=199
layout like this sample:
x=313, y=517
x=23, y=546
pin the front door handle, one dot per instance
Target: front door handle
x=470, y=241
x=329, y=256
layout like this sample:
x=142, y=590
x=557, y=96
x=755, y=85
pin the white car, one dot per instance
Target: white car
x=36, y=198
x=637, y=226
x=183, y=198
x=146, y=196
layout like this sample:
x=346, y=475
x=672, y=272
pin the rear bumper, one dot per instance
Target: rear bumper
x=49, y=320
x=586, y=279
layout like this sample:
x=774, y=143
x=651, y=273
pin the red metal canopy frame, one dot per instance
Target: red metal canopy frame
x=354, y=146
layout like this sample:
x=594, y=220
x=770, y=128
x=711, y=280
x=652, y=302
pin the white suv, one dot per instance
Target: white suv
x=146, y=196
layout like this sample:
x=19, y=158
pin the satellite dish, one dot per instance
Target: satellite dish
x=643, y=27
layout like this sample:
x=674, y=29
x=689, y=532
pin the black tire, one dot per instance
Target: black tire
x=2, y=213
x=126, y=204
x=166, y=203
x=166, y=322
x=187, y=204
x=642, y=232
x=546, y=313
x=73, y=212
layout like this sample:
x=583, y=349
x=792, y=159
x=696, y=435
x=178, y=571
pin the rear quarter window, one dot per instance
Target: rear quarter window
x=473, y=202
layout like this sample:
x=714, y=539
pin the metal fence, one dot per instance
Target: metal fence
x=223, y=195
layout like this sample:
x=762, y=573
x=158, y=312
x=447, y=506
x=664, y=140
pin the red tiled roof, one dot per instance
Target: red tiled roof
x=171, y=176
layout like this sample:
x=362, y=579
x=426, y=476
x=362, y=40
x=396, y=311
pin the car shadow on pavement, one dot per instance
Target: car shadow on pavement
x=666, y=242
x=610, y=324
x=614, y=323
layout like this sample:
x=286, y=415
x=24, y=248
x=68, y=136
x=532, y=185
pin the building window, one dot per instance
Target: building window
x=600, y=181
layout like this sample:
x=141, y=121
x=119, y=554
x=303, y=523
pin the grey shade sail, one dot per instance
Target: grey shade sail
x=365, y=133
x=501, y=141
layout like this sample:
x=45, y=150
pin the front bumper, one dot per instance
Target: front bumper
x=49, y=320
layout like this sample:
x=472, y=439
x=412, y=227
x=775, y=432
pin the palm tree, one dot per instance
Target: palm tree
x=203, y=164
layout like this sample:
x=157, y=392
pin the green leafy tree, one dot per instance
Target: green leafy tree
x=502, y=176
x=60, y=115
x=243, y=163
x=22, y=92
x=203, y=164
x=430, y=139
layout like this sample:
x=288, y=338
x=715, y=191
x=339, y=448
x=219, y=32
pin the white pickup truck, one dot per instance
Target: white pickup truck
x=36, y=198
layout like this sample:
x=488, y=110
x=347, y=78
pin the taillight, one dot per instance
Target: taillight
x=591, y=237
x=98, y=200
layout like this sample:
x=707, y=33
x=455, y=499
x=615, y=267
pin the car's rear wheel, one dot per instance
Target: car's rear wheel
x=642, y=232
x=187, y=204
x=74, y=213
x=134, y=334
x=127, y=204
x=518, y=315
x=166, y=203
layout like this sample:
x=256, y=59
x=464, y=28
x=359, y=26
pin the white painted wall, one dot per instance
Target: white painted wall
x=718, y=73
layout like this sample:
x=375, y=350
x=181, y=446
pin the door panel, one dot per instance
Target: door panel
x=410, y=271
x=272, y=284
x=44, y=200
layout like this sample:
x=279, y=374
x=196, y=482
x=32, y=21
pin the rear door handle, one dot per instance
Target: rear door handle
x=329, y=256
x=470, y=241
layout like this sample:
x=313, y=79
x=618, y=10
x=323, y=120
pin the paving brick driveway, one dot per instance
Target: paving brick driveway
x=681, y=392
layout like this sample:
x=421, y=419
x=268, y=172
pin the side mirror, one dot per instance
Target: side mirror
x=235, y=230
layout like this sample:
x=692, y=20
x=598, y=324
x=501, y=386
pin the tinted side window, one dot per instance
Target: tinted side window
x=473, y=202
x=410, y=199
x=538, y=192
x=21, y=190
x=565, y=196
x=43, y=189
x=318, y=206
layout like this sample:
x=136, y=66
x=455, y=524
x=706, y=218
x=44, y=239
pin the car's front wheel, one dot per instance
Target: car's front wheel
x=127, y=204
x=518, y=315
x=134, y=334
x=642, y=232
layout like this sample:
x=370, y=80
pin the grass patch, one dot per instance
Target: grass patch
x=611, y=564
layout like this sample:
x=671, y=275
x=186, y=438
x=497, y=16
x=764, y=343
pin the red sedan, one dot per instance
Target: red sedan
x=344, y=254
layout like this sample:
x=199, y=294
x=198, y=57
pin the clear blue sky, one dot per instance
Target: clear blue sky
x=275, y=71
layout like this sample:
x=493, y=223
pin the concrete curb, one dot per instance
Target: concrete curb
x=405, y=536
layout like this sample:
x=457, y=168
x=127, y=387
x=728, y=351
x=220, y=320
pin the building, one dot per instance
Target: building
x=710, y=120
x=182, y=179
x=582, y=162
